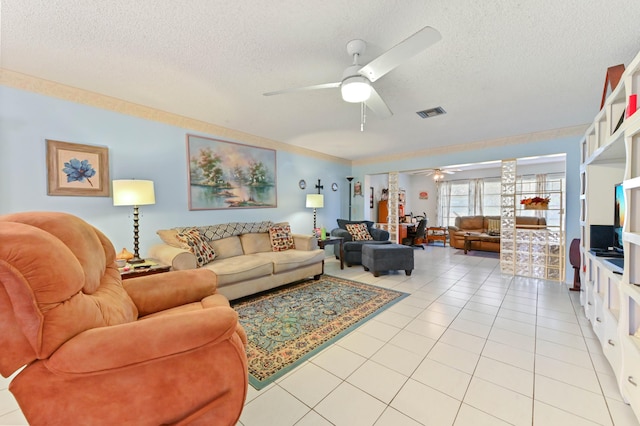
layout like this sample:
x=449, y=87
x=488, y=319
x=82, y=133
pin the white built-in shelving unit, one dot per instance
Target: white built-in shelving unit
x=610, y=154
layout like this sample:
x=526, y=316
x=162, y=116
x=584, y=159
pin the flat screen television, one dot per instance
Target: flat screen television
x=618, y=217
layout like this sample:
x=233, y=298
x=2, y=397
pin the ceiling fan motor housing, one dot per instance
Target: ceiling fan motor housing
x=356, y=47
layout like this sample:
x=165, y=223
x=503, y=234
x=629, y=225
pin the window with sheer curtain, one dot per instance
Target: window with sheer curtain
x=482, y=197
x=468, y=198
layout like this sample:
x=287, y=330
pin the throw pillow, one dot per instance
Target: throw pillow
x=197, y=245
x=281, y=238
x=359, y=232
x=494, y=227
x=342, y=223
x=170, y=237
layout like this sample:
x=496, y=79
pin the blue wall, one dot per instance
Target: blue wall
x=145, y=149
x=140, y=149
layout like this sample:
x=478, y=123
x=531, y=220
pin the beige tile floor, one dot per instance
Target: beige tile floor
x=469, y=346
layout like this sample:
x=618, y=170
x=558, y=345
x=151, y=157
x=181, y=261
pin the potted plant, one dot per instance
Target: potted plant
x=535, y=203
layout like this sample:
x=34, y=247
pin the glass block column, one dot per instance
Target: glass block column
x=508, y=217
x=392, y=217
x=536, y=252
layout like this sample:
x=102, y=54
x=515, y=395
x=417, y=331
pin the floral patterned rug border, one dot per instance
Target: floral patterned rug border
x=289, y=325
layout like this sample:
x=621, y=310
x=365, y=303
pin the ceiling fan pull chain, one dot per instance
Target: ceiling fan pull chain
x=363, y=116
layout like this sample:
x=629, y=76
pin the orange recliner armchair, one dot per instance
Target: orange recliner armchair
x=159, y=349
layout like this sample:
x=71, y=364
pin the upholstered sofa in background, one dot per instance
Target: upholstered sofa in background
x=352, y=248
x=481, y=225
x=159, y=349
x=247, y=258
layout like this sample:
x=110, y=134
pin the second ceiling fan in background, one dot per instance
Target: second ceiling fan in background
x=438, y=174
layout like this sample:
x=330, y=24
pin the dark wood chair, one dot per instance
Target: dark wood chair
x=574, y=259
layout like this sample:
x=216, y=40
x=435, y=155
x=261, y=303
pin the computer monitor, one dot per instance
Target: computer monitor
x=601, y=237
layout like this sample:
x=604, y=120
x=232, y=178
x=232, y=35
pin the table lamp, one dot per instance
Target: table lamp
x=131, y=192
x=315, y=201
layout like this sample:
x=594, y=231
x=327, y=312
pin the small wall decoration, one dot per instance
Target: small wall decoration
x=357, y=189
x=424, y=195
x=77, y=170
x=371, y=197
x=225, y=175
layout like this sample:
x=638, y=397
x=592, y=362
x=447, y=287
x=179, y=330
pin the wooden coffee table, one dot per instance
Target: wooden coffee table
x=470, y=237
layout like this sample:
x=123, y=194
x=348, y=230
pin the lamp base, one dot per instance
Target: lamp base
x=135, y=261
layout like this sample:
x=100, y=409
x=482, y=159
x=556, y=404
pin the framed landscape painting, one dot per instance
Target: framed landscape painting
x=228, y=175
x=76, y=169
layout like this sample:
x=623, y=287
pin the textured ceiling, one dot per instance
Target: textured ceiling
x=502, y=68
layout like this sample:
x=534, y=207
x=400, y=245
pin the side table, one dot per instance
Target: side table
x=332, y=241
x=149, y=267
x=437, y=233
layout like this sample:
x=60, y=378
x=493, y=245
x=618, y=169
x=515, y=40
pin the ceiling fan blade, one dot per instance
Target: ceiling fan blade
x=377, y=105
x=400, y=53
x=304, y=89
x=423, y=172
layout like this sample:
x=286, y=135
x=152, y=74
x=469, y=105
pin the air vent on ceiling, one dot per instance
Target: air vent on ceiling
x=431, y=112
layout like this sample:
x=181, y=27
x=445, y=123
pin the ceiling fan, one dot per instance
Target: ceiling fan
x=355, y=84
x=438, y=174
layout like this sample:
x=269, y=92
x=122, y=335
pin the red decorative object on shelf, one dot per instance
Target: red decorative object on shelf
x=535, y=203
x=536, y=206
x=632, y=106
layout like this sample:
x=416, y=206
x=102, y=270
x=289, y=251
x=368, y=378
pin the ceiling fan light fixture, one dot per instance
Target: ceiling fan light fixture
x=355, y=89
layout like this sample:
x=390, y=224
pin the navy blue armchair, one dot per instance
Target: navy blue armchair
x=353, y=249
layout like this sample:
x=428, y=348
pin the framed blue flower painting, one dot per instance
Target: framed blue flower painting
x=76, y=169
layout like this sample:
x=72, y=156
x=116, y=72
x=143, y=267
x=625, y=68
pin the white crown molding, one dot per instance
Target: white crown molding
x=69, y=93
x=472, y=146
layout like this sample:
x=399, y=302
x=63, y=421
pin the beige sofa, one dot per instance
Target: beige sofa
x=480, y=225
x=244, y=262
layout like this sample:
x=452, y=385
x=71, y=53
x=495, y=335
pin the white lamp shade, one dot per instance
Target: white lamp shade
x=133, y=192
x=356, y=89
x=315, y=201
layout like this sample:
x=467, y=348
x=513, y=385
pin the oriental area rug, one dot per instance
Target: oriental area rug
x=287, y=326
